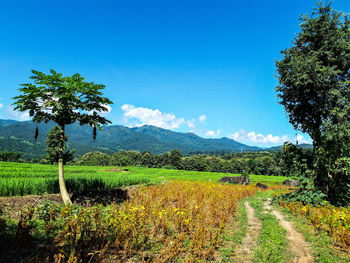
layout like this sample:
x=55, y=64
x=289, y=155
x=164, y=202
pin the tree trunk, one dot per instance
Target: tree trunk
x=62, y=184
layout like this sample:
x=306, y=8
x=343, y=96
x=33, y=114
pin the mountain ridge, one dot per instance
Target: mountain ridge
x=18, y=136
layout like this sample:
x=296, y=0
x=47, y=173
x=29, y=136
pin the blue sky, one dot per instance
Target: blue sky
x=201, y=66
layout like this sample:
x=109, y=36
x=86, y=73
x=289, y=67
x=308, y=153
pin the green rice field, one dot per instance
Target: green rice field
x=25, y=178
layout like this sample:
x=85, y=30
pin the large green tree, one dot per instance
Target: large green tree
x=63, y=100
x=314, y=87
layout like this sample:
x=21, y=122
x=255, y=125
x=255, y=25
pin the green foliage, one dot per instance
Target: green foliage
x=264, y=163
x=245, y=176
x=313, y=73
x=9, y=156
x=95, y=158
x=306, y=196
x=295, y=161
x=46, y=209
x=272, y=243
x=53, y=144
x=196, y=163
x=125, y=158
x=175, y=158
x=339, y=193
x=314, y=88
x=64, y=100
x=305, y=193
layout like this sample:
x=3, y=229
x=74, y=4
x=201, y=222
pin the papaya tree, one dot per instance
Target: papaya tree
x=53, y=147
x=64, y=100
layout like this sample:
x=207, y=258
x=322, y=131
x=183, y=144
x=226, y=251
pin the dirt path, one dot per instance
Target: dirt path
x=244, y=252
x=297, y=243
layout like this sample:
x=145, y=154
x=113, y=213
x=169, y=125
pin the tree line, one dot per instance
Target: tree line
x=9, y=156
x=266, y=163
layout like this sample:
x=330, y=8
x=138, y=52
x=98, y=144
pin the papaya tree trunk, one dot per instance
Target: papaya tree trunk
x=62, y=184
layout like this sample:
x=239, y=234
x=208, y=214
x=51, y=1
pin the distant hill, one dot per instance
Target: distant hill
x=279, y=148
x=4, y=123
x=19, y=136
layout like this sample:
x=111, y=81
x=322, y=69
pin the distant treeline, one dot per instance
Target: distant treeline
x=267, y=163
x=255, y=163
x=9, y=156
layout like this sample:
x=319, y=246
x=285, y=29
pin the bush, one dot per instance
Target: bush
x=95, y=158
x=339, y=188
x=193, y=164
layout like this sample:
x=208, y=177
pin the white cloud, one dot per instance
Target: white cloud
x=190, y=124
x=243, y=136
x=211, y=133
x=103, y=113
x=151, y=117
x=10, y=113
x=109, y=108
x=1, y=105
x=202, y=118
x=300, y=138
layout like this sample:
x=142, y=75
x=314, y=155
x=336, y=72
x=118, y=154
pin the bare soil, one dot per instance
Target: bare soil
x=116, y=170
x=244, y=252
x=15, y=204
x=297, y=244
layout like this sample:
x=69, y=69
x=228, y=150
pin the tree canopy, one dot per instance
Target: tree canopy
x=314, y=88
x=64, y=100
x=314, y=73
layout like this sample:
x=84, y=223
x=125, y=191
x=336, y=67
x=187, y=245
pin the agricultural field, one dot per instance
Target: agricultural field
x=160, y=223
x=193, y=94
x=173, y=216
x=24, y=178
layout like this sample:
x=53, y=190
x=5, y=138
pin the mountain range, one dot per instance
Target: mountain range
x=18, y=136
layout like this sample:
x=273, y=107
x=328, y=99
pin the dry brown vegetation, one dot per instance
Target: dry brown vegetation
x=158, y=224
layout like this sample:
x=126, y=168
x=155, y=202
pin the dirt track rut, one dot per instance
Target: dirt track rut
x=244, y=252
x=297, y=244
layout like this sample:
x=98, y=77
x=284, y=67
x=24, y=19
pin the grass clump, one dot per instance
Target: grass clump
x=234, y=233
x=272, y=243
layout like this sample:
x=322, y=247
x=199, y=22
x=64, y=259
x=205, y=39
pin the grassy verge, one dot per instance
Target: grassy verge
x=272, y=243
x=234, y=233
x=322, y=245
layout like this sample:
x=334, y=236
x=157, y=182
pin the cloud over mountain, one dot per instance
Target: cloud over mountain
x=243, y=136
x=141, y=116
